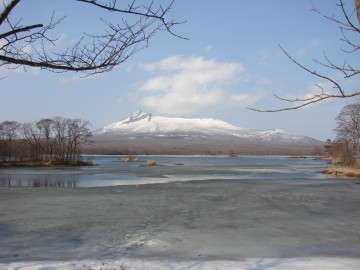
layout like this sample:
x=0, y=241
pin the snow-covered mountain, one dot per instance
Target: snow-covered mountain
x=146, y=125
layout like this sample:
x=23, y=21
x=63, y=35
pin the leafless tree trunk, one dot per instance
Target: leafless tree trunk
x=78, y=134
x=28, y=45
x=32, y=136
x=60, y=137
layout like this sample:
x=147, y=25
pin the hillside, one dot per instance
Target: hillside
x=144, y=133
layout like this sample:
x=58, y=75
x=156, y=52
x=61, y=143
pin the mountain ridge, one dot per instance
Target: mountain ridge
x=147, y=124
x=145, y=133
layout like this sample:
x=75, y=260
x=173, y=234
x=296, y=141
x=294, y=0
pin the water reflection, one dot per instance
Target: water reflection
x=111, y=173
x=38, y=183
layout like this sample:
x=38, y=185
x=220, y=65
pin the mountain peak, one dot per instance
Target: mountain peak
x=139, y=113
x=137, y=116
x=147, y=125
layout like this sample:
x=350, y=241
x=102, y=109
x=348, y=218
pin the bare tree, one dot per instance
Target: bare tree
x=138, y=21
x=348, y=124
x=350, y=33
x=47, y=143
x=348, y=128
x=340, y=152
x=31, y=134
x=58, y=140
x=78, y=135
x=9, y=132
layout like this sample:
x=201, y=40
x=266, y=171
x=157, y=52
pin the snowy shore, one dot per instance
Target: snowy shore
x=258, y=264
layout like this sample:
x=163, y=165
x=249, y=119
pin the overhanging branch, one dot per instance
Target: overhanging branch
x=304, y=102
x=8, y=8
x=348, y=68
x=313, y=72
x=19, y=30
x=30, y=45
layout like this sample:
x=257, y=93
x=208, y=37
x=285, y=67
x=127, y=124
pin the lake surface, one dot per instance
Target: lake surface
x=110, y=172
x=198, y=212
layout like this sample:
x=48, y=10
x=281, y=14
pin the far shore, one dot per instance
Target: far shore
x=339, y=171
x=10, y=164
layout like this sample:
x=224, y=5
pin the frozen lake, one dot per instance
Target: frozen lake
x=110, y=172
x=189, y=213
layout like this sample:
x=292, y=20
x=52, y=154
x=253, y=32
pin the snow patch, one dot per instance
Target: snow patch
x=141, y=122
x=246, y=263
x=146, y=123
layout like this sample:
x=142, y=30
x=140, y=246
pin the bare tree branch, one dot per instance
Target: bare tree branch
x=5, y=14
x=18, y=30
x=348, y=29
x=304, y=101
x=313, y=72
x=28, y=45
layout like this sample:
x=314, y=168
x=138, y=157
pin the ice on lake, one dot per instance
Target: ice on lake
x=197, y=213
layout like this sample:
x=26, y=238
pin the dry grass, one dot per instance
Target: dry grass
x=151, y=163
x=128, y=159
x=343, y=171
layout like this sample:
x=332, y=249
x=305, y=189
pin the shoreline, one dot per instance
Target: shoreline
x=343, y=171
x=20, y=164
x=149, y=264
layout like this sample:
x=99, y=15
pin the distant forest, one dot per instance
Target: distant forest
x=209, y=146
x=57, y=140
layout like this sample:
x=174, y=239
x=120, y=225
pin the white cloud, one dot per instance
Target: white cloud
x=130, y=67
x=209, y=48
x=308, y=47
x=190, y=84
x=324, y=87
x=247, y=99
x=60, y=39
x=13, y=70
x=72, y=77
x=298, y=97
x=69, y=79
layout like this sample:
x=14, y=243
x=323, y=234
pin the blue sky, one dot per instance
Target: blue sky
x=230, y=62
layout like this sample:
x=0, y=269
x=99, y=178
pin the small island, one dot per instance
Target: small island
x=47, y=142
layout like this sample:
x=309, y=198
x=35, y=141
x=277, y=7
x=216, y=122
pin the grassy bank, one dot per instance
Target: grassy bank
x=343, y=171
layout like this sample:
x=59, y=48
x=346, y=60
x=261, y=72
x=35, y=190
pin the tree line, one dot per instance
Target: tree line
x=56, y=140
x=345, y=149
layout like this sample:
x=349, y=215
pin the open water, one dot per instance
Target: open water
x=109, y=171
